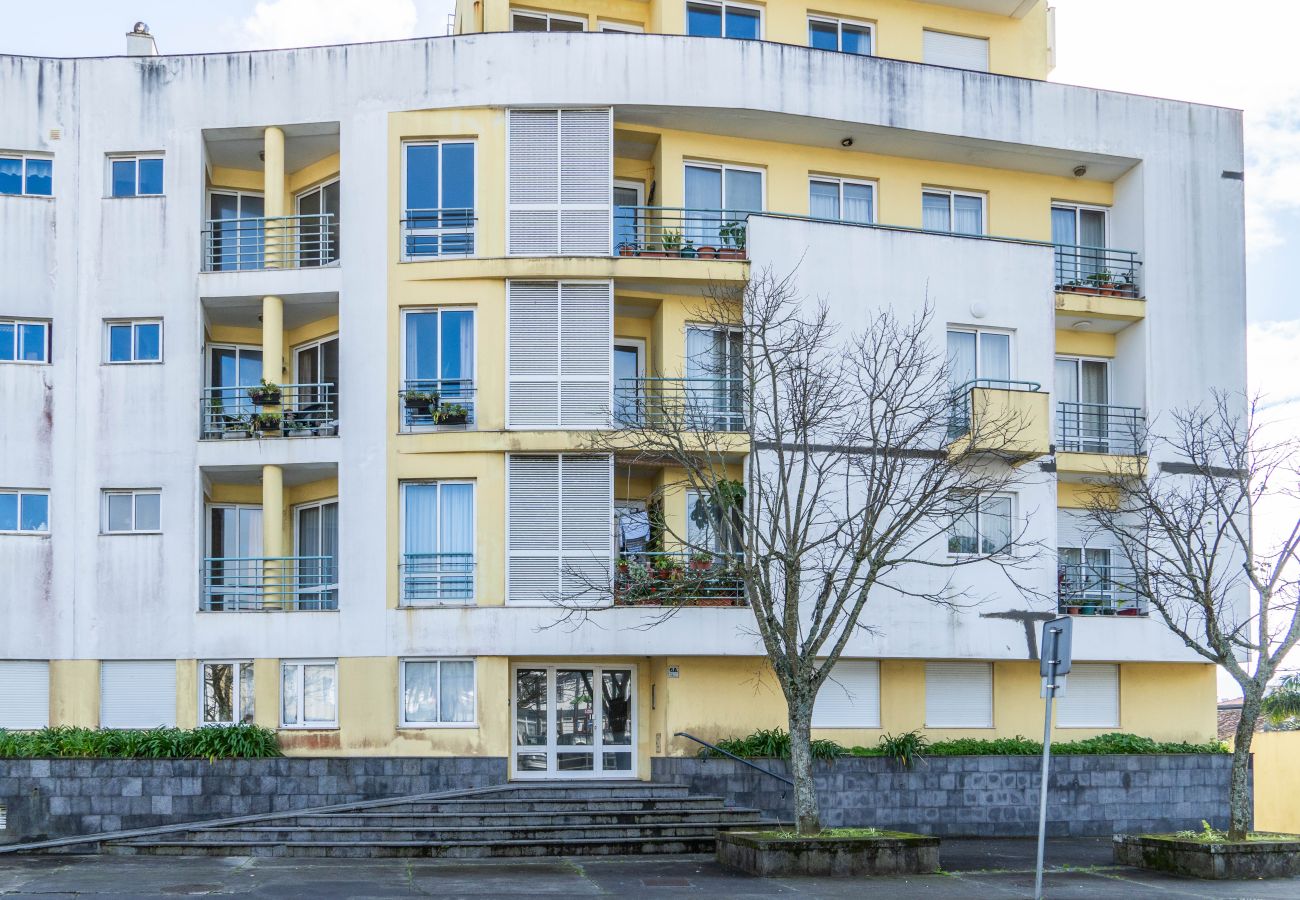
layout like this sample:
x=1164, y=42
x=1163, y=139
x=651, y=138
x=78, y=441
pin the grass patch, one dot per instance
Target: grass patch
x=212, y=742
x=831, y=834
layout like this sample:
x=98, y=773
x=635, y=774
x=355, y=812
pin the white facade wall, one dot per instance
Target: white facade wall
x=77, y=426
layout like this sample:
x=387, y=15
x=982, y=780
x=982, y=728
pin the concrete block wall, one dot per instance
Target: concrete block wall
x=983, y=796
x=47, y=798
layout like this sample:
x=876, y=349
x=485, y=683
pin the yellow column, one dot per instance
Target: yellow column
x=273, y=201
x=273, y=339
x=272, y=531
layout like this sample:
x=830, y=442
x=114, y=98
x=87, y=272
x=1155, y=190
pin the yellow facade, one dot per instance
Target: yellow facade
x=1018, y=47
x=1277, y=781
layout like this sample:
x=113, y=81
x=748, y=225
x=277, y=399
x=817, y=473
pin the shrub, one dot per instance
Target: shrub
x=772, y=743
x=905, y=748
x=1102, y=744
x=213, y=742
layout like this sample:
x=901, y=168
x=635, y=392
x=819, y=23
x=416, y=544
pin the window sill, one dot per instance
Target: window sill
x=135, y=196
x=434, y=726
x=128, y=533
x=132, y=362
x=35, y=534
x=24, y=362
x=312, y=727
x=30, y=196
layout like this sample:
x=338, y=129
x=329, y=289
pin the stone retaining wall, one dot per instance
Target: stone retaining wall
x=47, y=798
x=983, y=796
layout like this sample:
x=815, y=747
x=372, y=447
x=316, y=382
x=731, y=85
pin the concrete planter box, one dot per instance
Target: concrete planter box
x=892, y=853
x=1254, y=859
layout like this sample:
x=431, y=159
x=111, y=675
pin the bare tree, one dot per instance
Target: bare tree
x=1187, y=532
x=828, y=468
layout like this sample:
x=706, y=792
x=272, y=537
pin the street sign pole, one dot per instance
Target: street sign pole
x=1054, y=662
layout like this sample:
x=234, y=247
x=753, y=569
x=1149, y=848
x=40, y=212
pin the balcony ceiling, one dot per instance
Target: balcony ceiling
x=812, y=132
x=294, y=475
x=246, y=312
x=237, y=148
x=1016, y=9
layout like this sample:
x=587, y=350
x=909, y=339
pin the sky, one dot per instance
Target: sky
x=1181, y=49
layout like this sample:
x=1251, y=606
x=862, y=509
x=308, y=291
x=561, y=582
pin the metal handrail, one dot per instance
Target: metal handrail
x=243, y=409
x=270, y=242
x=432, y=403
x=274, y=583
x=1098, y=586
x=959, y=421
x=1098, y=428
x=716, y=749
x=677, y=578
x=439, y=232
x=438, y=577
x=681, y=232
x=1083, y=269
x=697, y=404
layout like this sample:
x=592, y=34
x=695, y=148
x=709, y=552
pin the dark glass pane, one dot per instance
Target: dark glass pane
x=8, y=512
x=742, y=23
x=34, y=512
x=565, y=25
x=574, y=708
x=119, y=343
x=530, y=715
x=703, y=21
x=40, y=177
x=823, y=35
x=151, y=176
x=11, y=175
x=521, y=22
x=457, y=177
x=123, y=178
x=148, y=341
x=31, y=339
x=8, y=344
x=855, y=40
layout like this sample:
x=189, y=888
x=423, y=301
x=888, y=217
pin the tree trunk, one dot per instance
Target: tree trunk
x=807, y=818
x=1240, y=806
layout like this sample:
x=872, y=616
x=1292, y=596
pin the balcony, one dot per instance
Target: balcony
x=437, y=234
x=680, y=232
x=691, y=404
x=1004, y=417
x=678, y=579
x=1098, y=590
x=269, y=584
x=1099, y=428
x=1099, y=271
x=437, y=578
x=436, y=405
x=281, y=242
x=288, y=410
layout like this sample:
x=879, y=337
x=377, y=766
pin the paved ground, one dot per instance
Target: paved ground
x=984, y=869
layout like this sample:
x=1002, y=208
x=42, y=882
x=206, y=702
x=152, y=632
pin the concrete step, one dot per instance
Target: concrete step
x=465, y=833
x=545, y=804
x=446, y=849
x=586, y=790
x=370, y=820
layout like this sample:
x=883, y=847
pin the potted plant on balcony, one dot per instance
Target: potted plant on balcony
x=452, y=414
x=1126, y=286
x=419, y=401
x=688, y=250
x=672, y=242
x=233, y=427
x=733, y=241
x=627, y=248
x=1127, y=608
x=701, y=562
x=267, y=393
x=265, y=423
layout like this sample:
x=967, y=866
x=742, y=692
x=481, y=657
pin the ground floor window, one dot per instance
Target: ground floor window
x=309, y=694
x=227, y=692
x=438, y=692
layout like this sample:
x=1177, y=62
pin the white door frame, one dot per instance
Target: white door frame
x=550, y=748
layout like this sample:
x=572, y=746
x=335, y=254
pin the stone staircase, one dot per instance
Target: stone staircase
x=537, y=819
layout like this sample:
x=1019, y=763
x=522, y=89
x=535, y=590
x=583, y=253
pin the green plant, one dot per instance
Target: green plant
x=773, y=743
x=421, y=398
x=672, y=241
x=905, y=748
x=212, y=742
x=733, y=234
x=452, y=411
x=1113, y=743
x=1283, y=702
x=266, y=421
x=264, y=391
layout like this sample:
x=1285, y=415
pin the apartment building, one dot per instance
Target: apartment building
x=301, y=352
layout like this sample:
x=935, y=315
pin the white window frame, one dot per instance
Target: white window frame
x=723, y=168
x=952, y=193
x=25, y=158
x=438, y=142
x=133, y=324
x=978, y=511
x=979, y=338
x=297, y=547
x=23, y=492
x=723, y=6
x=236, y=701
x=607, y=26
x=134, y=494
x=45, y=324
x=132, y=158
x=438, y=310
x=1077, y=208
x=401, y=691
x=548, y=16
x=860, y=722
x=840, y=182
x=301, y=725
x=313, y=344
x=839, y=23
x=472, y=599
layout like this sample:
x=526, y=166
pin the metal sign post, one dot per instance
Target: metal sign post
x=1053, y=664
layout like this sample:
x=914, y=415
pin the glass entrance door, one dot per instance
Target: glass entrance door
x=574, y=722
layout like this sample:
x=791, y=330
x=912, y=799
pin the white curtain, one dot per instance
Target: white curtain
x=961, y=357
x=995, y=356
x=456, y=691
x=1067, y=381
x=936, y=214
x=457, y=347
x=1094, y=387
x=995, y=524
x=421, y=691
x=421, y=346
x=858, y=203
x=319, y=694
x=968, y=215
x=421, y=518
x=289, y=694
x=456, y=510
x=824, y=199
x=744, y=190
x=250, y=531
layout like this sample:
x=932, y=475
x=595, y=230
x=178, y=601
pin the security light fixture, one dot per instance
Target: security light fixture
x=847, y=142
x=1080, y=171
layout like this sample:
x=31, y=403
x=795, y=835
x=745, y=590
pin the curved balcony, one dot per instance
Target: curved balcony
x=692, y=404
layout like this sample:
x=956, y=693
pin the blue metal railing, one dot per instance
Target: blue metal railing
x=437, y=578
x=678, y=578
x=695, y=404
x=436, y=403
x=266, y=583
x=435, y=233
x=275, y=242
x=1098, y=270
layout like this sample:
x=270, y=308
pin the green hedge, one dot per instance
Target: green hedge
x=775, y=744
x=214, y=742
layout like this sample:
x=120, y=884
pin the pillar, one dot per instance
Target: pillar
x=276, y=237
x=273, y=339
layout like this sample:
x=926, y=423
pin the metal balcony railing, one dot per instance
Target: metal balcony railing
x=436, y=233
x=297, y=410
x=680, y=232
x=280, y=242
x=678, y=579
x=695, y=404
x=1098, y=590
x=959, y=420
x=443, y=404
x=1099, y=428
x=1098, y=270
x=437, y=578
x=269, y=584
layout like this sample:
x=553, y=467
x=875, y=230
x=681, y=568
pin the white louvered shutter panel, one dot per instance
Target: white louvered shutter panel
x=587, y=528
x=958, y=695
x=957, y=51
x=586, y=353
x=850, y=697
x=586, y=181
x=1091, y=697
x=533, y=530
x=137, y=694
x=24, y=694
x=533, y=182
x=533, y=323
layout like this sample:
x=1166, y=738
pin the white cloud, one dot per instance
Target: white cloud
x=299, y=23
